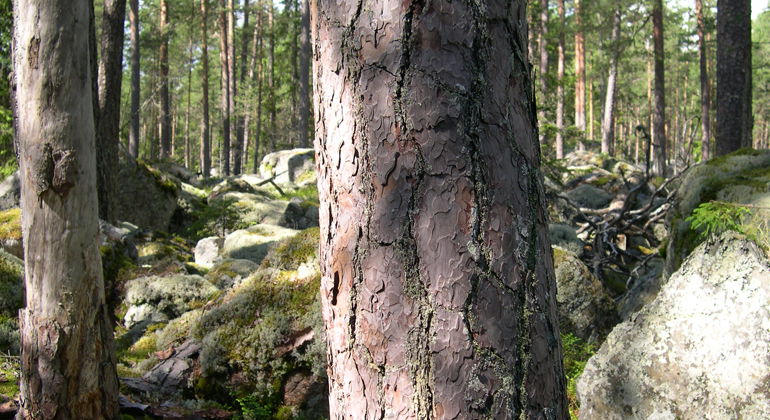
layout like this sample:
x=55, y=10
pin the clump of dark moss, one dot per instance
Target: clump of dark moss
x=576, y=355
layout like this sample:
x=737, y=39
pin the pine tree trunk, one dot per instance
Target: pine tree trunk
x=187, y=143
x=68, y=359
x=205, y=146
x=560, y=85
x=542, y=45
x=133, y=133
x=232, y=78
x=259, y=78
x=271, y=76
x=658, y=92
x=165, y=102
x=734, y=118
x=240, y=154
x=422, y=248
x=304, y=75
x=110, y=79
x=225, y=81
x=608, y=121
x=580, y=74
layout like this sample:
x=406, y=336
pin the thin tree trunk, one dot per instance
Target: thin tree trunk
x=580, y=74
x=232, y=78
x=133, y=134
x=304, y=75
x=110, y=79
x=271, y=75
x=165, y=102
x=560, y=86
x=734, y=118
x=542, y=44
x=225, y=82
x=241, y=148
x=187, y=143
x=205, y=145
x=68, y=357
x=608, y=121
x=659, y=92
x=259, y=78
x=419, y=257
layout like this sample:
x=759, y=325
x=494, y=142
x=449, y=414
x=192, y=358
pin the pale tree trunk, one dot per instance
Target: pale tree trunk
x=304, y=75
x=542, y=45
x=608, y=120
x=259, y=76
x=205, y=146
x=133, y=133
x=240, y=154
x=580, y=74
x=256, y=53
x=68, y=360
x=235, y=148
x=271, y=75
x=422, y=248
x=108, y=123
x=734, y=118
x=658, y=92
x=560, y=86
x=165, y=102
x=187, y=143
x=225, y=98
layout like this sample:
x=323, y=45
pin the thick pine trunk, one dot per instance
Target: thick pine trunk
x=560, y=85
x=304, y=75
x=110, y=79
x=608, y=120
x=205, y=146
x=133, y=133
x=438, y=290
x=734, y=118
x=658, y=92
x=165, y=102
x=68, y=361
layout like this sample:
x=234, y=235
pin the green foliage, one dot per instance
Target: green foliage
x=10, y=372
x=576, y=355
x=715, y=217
x=253, y=407
x=10, y=224
x=217, y=219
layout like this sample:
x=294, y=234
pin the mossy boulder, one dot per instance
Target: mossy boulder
x=231, y=272
x=589, y=196
x=254, y=242
x=288, y=166
x=742, y=177
x=586, y=309
x=144, y=196
x=159, y=299
x=10, y=232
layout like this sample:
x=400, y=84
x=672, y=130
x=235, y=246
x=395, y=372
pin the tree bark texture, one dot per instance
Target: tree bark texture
x=304, y=75
x=658, y=92
x=205, y=146
x=438, y=286
x=734, y=118
x=225, y=97
x=580, y=74
x=271, y=76
x=705, y=86
x=68, y=362
x=110, y=79
x=608, y=120
x=559, y=146
x=239, y=154
x=165, y=102
x=232, y=79
x=133, y=133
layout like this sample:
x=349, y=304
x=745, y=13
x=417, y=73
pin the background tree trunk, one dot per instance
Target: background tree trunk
x=240, y=153
x=110, y=79
x=205, y=145
x=658, y=92
x=68, y=361
x=734, y=118
x=225, y=99
x=608, y=120
x=705, y=86
x=580, y=74
x=304, y=75
x=271, y=75
x=133, y=133
x=165, y=111
x=232, y=80
x=560, y=85
x=422, y=248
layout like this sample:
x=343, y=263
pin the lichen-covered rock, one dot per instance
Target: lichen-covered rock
x=229, y=273
x=585, y=308
x=287, y=165
x=10, y=192
x=163, y=298
x=699, y=350
x=207, y=251
x=564, y=236
x=254, y=242
x=742, y=177
x=144, y=196
x=589, y=196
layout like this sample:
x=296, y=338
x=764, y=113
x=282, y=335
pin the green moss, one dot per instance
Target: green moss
x=163, y=181
x=722, y=160
x=291, y=253
x=576, y=355
x=305, y=177
x=10, y=224
x=9, y=376
x=11, y=286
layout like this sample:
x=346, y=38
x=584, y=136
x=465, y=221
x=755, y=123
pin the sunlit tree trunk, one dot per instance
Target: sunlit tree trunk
x=225, y=81
x=438, y=290
x=580, y=74
x=133, y=133
x=235, y=149
x=658, y=92
x=608, y=120
x=68, y=360
x=239, y=155
x=304, y=75
x=205, y=146
x=165, y=102
x=734, y=118
x=560, y=85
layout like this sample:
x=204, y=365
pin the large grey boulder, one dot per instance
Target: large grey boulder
x=144, y=196
x=10, y=191
x=588, y=196
x=586, y=310
x=288, y=166
x=700, y=350
x=253, y=243
x=158, y=299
